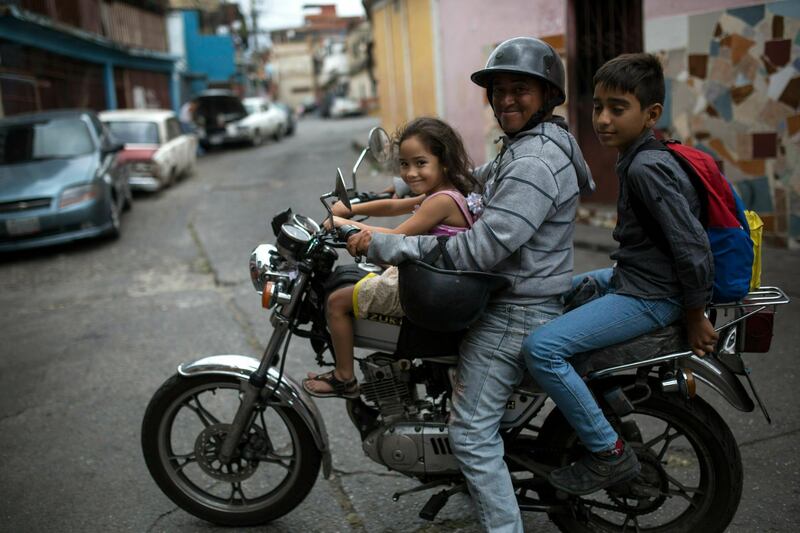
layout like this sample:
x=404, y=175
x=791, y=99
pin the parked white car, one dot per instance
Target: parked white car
x=345, y=107
x=157, y=150
x=264, y=119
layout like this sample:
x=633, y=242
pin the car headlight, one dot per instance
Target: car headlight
x=148, y=168
x=78, y=195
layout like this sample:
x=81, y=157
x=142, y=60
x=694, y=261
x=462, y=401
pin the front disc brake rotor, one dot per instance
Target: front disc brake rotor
x=207, y=448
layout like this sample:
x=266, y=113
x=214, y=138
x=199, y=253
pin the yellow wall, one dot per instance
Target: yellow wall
x=422, y=53
x=404, y=61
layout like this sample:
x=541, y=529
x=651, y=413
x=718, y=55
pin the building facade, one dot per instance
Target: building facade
x=732, y=68
x=98, y=54
x=293, y=73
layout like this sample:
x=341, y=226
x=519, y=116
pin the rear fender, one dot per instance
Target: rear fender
x=719, y=377
x=288, y=391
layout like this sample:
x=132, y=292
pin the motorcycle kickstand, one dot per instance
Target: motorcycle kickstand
x=419, y=488
x=438, y=500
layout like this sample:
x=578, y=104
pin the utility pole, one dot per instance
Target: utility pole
x=254, y=18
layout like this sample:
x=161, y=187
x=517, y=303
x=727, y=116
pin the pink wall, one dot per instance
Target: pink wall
x=666, y=8
x=466, y=29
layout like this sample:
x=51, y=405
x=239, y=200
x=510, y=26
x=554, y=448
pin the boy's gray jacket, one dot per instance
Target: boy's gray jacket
x=530, y=198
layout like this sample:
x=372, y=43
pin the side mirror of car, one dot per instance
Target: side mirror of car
x=112, y=147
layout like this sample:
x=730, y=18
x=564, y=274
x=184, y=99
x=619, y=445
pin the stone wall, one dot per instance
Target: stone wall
x=733, y=90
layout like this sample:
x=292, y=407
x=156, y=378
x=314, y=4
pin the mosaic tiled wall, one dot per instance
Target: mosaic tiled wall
x=734, y=91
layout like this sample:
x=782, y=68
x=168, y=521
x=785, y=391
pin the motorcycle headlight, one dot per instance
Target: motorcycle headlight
x=78, y=195
x=265, y=262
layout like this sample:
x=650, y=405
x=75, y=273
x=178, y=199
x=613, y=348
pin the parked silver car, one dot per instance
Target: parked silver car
x=59, y=179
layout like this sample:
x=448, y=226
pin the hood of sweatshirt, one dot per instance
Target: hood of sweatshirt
x=555, y=129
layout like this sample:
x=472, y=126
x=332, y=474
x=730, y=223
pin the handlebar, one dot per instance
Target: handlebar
x=364, y=197
x=344, y=232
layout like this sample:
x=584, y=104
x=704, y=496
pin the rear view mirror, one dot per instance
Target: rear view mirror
x=341, y=190
x=380, y=145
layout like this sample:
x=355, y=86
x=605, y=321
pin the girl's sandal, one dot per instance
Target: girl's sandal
x=339, y=389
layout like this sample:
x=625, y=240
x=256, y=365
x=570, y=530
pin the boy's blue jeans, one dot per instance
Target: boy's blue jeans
x=607, y=320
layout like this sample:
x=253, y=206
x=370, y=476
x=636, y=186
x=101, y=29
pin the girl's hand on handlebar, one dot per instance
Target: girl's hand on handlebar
x=358, y=244
x=340, y=210
x=337, y=221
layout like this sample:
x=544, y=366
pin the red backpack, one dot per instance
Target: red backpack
x=721, y=213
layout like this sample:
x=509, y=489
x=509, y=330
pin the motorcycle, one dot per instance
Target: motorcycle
x=236, y=441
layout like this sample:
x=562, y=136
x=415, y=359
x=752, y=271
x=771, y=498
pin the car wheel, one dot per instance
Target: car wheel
x=115, y=218
x=278, y=134
x=128, y=203
x=257, y=139
x=171, y=179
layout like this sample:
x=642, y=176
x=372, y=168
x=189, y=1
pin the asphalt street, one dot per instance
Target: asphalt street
x=92, y=329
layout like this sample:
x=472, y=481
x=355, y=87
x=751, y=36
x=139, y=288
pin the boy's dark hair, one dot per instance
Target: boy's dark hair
x=640, y=74
x=445, y=143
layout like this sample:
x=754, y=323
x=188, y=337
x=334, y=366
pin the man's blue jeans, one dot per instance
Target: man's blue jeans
x=489, y=367
x=607, y=320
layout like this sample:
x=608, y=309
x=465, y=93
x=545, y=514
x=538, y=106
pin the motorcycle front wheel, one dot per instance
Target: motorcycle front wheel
x=691, y=477
x=273, y=468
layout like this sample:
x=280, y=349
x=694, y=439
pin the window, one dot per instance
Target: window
x=48, y=139
x=134, y=132
x=173, y=128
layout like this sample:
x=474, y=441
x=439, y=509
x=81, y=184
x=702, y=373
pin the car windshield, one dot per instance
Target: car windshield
x=251, y=107
x=46, y=139
x=134, y=132
x=211, y=106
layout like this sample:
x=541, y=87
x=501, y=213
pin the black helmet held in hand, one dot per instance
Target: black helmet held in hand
x=529, y=57
x=444, y=299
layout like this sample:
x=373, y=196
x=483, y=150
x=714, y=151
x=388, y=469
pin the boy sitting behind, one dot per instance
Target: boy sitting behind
x=647, y=289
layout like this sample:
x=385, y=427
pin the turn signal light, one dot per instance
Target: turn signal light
x=267, y=301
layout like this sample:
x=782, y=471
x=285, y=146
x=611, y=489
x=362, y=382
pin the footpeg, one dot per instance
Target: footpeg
x=434, y=505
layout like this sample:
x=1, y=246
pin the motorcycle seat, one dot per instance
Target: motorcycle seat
x=663, y=341
x=660, y=342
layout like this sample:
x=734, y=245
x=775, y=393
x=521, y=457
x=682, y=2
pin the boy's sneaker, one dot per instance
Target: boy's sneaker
x=594, y=472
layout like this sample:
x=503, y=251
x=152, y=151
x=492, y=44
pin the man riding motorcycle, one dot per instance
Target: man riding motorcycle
x=525, y=233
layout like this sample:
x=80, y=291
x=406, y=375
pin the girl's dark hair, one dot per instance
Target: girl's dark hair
x=640, y=74
x=442, y=141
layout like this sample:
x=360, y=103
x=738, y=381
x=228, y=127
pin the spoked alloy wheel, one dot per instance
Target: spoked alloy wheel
x=691, y=479
x=272, y=470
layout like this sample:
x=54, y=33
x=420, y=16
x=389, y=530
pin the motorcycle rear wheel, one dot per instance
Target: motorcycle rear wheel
x=272, y=471
x=690, y=463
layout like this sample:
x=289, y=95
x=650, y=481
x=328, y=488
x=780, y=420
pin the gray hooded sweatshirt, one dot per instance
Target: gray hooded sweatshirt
x=530, y=196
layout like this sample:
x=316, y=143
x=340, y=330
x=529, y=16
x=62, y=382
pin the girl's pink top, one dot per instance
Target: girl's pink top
x=444, y=230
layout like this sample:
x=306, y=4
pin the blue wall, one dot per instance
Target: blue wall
x=213, y=55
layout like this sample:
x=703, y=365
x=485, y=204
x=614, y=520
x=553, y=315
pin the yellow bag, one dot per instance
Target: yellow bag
x=756, y=229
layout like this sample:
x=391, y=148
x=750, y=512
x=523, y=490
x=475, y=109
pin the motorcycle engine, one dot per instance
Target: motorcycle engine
x=412, y=447
x=411, y=439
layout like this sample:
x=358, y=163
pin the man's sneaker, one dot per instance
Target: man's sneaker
x=594, y=472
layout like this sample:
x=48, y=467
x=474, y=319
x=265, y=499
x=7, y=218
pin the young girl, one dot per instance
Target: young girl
x=434, y=164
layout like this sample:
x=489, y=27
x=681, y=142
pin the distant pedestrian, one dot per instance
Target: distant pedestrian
x=186, y=116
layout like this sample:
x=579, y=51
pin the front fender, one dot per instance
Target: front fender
x=289, y=391
x=716, y=375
